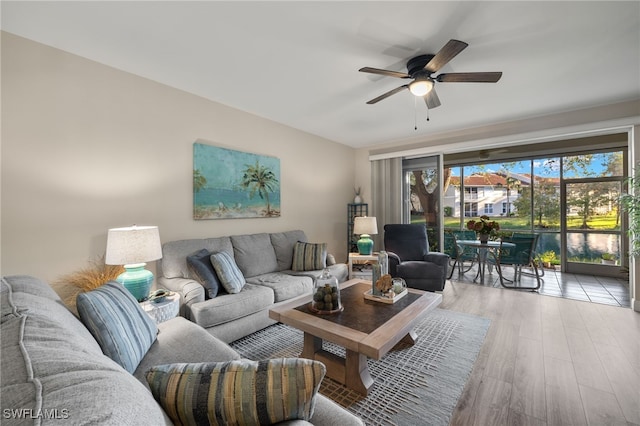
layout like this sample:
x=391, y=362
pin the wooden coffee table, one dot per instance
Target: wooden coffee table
x=364, y=328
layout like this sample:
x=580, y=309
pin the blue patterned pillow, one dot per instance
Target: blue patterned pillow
x=309, y=257
x=121, y=327
x=228, y=272
x=237, y=392
x=201, y=270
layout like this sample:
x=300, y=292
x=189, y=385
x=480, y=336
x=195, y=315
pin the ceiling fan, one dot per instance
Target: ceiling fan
x=421, y=70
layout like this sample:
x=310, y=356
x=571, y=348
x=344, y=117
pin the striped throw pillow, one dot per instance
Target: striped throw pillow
x=237, y=392
x=121, y=327
x=309, y=256
x=228, y=272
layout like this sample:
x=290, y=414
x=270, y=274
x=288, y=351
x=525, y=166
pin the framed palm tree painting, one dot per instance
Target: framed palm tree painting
x=229, y=184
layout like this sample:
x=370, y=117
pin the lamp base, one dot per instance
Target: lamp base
x=365, y=245
x=137, y=280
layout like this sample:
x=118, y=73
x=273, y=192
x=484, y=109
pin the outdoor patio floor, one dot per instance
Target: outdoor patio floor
x=605, y=290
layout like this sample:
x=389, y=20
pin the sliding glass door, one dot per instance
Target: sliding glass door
x=592, y=222
x=570, y=201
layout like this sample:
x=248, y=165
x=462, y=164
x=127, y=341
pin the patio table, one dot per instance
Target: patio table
x=483, y=249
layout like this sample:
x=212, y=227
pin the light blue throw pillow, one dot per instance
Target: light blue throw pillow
x=228, y=272
x=121, y=327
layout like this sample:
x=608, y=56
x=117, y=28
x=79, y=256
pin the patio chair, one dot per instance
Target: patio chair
x=519, y=254
x=409, y=257
x=459, y=255
x=535, y=249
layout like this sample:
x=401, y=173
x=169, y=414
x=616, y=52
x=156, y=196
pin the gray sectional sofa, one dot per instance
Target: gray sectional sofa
x=54, y=371
x=266, y=263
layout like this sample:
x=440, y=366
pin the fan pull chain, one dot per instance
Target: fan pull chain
x=427, y=113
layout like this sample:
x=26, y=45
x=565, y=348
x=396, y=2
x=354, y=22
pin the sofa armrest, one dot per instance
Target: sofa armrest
x=440, y=259
x=190, y=292
x=329, y=413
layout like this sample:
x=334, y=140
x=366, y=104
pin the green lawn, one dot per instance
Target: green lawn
x=605, y=222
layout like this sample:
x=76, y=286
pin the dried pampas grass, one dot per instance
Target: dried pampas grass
x=89, y=278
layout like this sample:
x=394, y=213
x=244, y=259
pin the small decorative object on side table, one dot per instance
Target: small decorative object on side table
x=163, y=310
x=360, y=266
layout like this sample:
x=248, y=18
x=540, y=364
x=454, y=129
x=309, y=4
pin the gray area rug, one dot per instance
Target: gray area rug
x=414, y=385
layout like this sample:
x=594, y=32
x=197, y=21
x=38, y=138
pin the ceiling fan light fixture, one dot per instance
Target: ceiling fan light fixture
x=421, y=87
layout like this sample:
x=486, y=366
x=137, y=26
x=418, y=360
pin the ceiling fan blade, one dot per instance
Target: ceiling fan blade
x=386, y=95
x=447, y=53
x=470, y=77
x=431, y=99
x=385, y=72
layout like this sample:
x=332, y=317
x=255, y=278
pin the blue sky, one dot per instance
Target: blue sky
x=548, y=167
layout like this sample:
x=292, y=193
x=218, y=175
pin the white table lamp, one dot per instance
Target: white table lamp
x=133, y=247
x=365, y=226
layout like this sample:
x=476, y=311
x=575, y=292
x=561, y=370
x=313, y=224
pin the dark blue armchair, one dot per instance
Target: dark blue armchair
x=410, y=259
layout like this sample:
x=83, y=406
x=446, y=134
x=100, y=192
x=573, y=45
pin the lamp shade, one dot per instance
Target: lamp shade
x=134, y=244
x=365, y=225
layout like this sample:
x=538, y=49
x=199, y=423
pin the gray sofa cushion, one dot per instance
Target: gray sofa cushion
x=339, y=270
x=283, y=243
x=174, y=254
x=180, y=340
x=45, y=367
x=229, y=307
x=254, y=254
x=21, y=291
x=284, y=286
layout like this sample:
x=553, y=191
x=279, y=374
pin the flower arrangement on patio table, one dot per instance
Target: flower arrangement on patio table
x=484, y=226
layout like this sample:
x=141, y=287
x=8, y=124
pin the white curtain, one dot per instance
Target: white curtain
x=386, y=189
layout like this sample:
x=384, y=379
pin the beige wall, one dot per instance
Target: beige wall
x=86, y=147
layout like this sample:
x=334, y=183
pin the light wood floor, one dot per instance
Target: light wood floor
x=548, y=360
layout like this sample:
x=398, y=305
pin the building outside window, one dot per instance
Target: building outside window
x=471, y=209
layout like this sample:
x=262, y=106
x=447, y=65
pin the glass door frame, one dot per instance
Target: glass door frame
x=591, y=268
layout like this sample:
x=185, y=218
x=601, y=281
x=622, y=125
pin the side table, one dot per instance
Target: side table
x=360, y=265
x=164, y=310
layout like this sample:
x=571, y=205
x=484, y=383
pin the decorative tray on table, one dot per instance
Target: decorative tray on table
x=385, y=299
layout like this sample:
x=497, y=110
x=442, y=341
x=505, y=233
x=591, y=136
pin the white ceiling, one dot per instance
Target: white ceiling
x=297, y=62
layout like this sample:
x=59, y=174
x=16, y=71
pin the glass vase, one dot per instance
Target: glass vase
x=379, y=269
x=326, y=294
